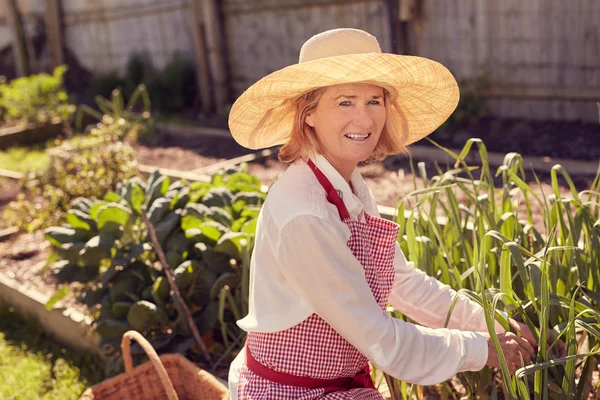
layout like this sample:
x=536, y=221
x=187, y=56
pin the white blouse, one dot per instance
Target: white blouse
x=301, y=265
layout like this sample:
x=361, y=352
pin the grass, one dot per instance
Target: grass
x=34, y=157
x=33, y=366
x=24, y=159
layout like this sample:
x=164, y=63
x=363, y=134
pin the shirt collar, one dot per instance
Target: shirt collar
x=355, y=203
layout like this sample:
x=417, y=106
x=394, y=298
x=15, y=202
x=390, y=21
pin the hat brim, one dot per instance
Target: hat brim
x=423, y=94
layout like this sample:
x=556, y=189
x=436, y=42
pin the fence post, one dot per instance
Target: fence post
x=215, y=49
x=54, y=34
x=19, y=45
x=482, y=30
x=392, y=11
x=202, y=70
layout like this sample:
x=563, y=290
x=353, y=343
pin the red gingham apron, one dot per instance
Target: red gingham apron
x=311, y=360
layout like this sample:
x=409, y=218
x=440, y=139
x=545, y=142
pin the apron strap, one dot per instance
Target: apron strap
x=332, y=195
x=362, y=379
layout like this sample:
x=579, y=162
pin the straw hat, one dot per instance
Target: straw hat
x=423, y=93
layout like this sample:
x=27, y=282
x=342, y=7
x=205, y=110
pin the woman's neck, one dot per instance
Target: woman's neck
x=345, y=169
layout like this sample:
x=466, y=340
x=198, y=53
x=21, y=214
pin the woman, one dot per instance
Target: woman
x=325, y=265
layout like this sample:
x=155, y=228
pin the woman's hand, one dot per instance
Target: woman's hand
x=514, y=348
x=523, y=330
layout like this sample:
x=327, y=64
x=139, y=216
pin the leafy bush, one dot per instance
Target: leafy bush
x=471, y=106
x=492, y=249
x=36, y=98
x=205, y=230
x=46, y=194
x=119, y=121
x=171, y=89
x=103, y=85
x=85, y=165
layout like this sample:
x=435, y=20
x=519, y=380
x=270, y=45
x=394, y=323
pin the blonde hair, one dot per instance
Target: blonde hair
x=303, y=137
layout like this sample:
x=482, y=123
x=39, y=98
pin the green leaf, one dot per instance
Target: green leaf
x=177, y=185
x=209, y=232
x=58, y=235
x=82, y=204
x=204, y=279
x=70, y=251
x=135, y=197
x=191, y=222
x=124, y=288
x=208, y=318
x=121, y=308
x=112, y=197
x=218, y=197
x=161, y=288
x=228, y=279
x=243, y=199
x=64, y=271
x=113, y=212
x=166, y=226
x=217, y=180
x=250, y=212
x=94, y=296
x=238, y=224
x=181, y=198
x=197, y=210
x=112, y=328
x=250, y=227
x=215, y=261
x=198, y=190
x=154, y=176
x=158, y=189
x=96, y=249
x=158, y=210
x=143, y=315
x=95, y=209
x=184, y=274
x=80, y=220
x=243, y=182
x=60, y=294
x=177, y=242
x=220, y=215
x=230, y=244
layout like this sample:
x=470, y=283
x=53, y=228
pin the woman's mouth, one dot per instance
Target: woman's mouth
x=358, y=137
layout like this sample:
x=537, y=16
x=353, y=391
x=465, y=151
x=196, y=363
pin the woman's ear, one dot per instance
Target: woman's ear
x=310, y=120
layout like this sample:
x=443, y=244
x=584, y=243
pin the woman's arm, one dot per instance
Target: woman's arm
x=427, y=300
x=323, y=271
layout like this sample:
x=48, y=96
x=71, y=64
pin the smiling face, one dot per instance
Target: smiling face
x=348, y=121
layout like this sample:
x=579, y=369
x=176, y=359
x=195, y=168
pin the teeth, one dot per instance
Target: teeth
x=357, y=137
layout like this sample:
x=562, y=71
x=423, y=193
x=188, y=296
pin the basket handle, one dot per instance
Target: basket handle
x=151, y=353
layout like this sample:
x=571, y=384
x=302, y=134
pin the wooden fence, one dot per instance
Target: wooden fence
x=541, y=57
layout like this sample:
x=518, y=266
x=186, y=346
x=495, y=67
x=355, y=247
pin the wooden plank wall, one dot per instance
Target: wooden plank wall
x=32, y=15
x=104, y=34
x=266, y=35
x=544, y=54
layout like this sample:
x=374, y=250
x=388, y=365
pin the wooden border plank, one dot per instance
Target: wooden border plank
x=67, y=326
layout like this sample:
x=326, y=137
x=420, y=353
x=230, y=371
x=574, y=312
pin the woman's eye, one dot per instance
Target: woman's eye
x=345, y=103
x=375, y=102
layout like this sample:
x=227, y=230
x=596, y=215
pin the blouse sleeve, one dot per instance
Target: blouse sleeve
x=323, y=271
x=427, y=300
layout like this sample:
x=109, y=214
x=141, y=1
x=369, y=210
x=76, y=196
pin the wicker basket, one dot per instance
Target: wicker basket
x=169, y=376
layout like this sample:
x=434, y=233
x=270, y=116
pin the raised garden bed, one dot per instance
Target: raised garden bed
x=31, y=133
x=380, y=175
x=25, y=288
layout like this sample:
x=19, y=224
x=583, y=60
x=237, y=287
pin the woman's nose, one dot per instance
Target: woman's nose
x=362, y=118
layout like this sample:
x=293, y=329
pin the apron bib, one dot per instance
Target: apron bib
x=311, y=360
